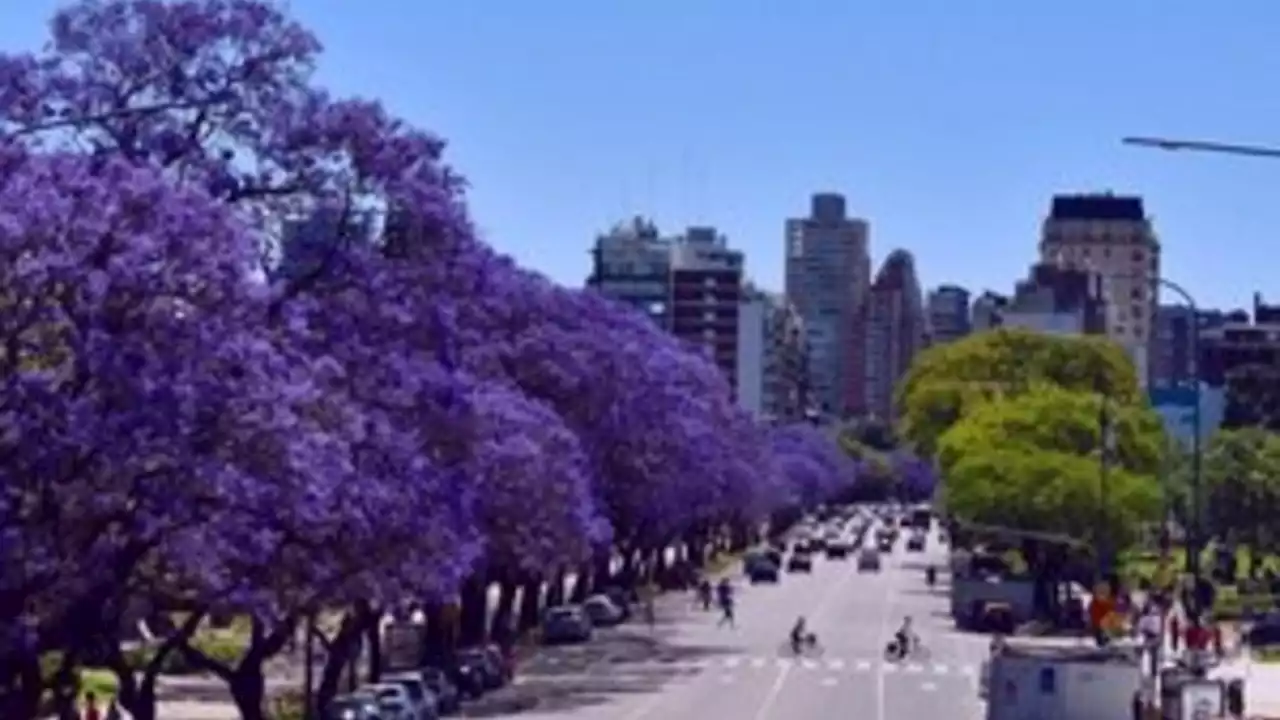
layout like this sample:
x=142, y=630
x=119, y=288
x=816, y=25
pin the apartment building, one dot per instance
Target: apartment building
x=894, y=321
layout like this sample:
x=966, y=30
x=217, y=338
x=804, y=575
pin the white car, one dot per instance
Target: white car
x=423, y=700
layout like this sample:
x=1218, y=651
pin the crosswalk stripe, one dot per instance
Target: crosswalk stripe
x=835, y=664
x=864, y=665
x=784, y=663
x=940, y=669
x=757, y=662
x=732, y=662
x=914, y=668
x=809, y=664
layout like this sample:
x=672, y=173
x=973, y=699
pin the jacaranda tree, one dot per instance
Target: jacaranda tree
x=205, y=414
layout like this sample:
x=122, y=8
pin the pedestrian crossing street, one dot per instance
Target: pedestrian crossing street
x=820, y=664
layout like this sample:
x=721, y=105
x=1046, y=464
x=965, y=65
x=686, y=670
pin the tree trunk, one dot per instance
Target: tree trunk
x=530, y=603
x=249, y=693
x=602, y=569
x=475, y=611
x=503, y=625
x=20, y=696
x=371, y=622
x=338, y=654
x=435, y=642
x=581, y=583
x=555, y=594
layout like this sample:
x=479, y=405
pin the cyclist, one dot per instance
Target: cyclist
x=905, y=638
x=799, y=635
x=931, y=575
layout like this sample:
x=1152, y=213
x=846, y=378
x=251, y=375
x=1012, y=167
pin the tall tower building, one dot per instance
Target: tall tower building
x=895, y=326
x=948, y=311
x=1112, y=236
x=631, y=263
x=706, y=291
x=828, y=271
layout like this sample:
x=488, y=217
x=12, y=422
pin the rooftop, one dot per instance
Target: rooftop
x=1104, y=206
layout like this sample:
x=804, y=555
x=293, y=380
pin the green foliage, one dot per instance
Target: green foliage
x=1032, y=460
x=1241, y=471
x=947, y=382
x=1253, y=397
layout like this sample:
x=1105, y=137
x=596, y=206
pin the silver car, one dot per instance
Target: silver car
x=566, y=624
x=869, y=560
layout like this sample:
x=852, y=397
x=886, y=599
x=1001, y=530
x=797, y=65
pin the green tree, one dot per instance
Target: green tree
x=1033, y=461
x=946, y=382
x=1242, y=487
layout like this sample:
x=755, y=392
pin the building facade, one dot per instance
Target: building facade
x=949, y=314
x=828, y=271
x=1173, y=345
x=1112, y=236
x=631, y=263
x=895, y=323
x=706, y=293
x=1059, y=300
x=773, y=373
x=986, y=311
x=1239, y=341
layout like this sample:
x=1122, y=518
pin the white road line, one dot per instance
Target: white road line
x=775, y=691
x=829, y=682
x=732, y=662
x=757, y=662
x=940, y=669
x=784, y=663
x=835, y=664
x=914, y=668
x=928, y=687
x=809, y=664
x=864, y=665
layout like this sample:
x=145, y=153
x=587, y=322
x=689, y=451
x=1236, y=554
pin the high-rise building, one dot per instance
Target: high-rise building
x=987, y=308
x=706, y=291
x=773, y=373
x=1240, y=341
x=631, y=263
x=948, y=312
x=1173, y=352
x=1057, y=299
x=828, y=271
x=895, y=332
x=1113, y=236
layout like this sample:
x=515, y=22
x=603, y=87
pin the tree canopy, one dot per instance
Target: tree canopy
x=946, y=381
x=393, y=412
x=1033, y=461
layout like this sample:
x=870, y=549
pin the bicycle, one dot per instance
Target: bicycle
x=808, y=647
x=915, y=651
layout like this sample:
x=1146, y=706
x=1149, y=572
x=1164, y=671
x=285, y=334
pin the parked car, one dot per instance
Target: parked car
x=356, y=706
x=869, y=560
x=467, y=675
x=493, y=670
x=762, y=571
x=800, y=562
x=448, y=698
x=566, y=624
x=602, y=611
x=622, y=598
x=420, y=696
x=773, y=555
x=394, y=702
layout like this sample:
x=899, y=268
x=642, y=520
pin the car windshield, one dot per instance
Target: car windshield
x=385, y=694
x=556, y=614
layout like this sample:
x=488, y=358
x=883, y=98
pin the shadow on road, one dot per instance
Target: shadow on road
x=936, y=591
x=621, y=662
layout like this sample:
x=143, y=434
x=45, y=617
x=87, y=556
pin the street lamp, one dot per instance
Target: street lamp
x=1175, y=145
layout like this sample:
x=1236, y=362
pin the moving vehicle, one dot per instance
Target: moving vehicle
x=915, y=650
x=563, y=625
x=800, y=562
x=762, y=571
x=915, y=543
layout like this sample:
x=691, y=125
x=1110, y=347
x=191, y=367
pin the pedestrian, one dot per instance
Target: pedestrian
x=726, y=610
x=1175, y=632
x=91, y=710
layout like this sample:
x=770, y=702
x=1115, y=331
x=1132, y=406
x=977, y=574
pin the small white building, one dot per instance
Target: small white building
x=1038, y=682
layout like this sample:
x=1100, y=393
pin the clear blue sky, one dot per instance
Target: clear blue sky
x=948, y=124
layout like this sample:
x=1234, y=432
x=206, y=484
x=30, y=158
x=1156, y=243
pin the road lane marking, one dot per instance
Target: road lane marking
x=940, y=669
x=928, y=687
x=727, y=679
x=809, y=664
x=864, y=665
x=914, y=668
x=732, y=662
x=757, y=662
x=775, y=691
x=784, y=663
x=829, y=682
x=835, y=664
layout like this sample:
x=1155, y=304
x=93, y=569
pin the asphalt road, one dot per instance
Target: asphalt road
x=688, y=668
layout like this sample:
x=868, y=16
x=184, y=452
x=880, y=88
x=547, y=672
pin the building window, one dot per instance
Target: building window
x=1136, y=294
x=708, y=315
x=1139, y=256
x=709, y=334
x=708, y=282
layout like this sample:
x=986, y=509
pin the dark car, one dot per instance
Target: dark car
x=884, y=544
x=489, y=662
x=915, y=543
x=760, y=570
x=800, y=562
x=869, y=560
x=468, y=675
x=448, y=699
x=773, y=555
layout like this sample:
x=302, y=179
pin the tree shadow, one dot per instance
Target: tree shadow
x=619, y=663
x=936, y=591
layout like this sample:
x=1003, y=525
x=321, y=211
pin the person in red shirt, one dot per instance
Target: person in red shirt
x=91, y=710
x=1198, y=637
